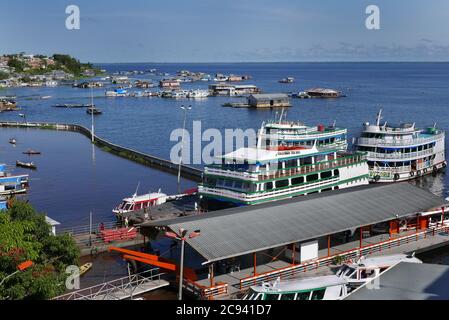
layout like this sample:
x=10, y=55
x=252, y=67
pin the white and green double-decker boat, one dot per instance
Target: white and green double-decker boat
x=281, y=167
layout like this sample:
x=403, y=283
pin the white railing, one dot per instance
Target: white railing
x=398, y=142
x=107, y=290
x=400, y=156
x=265, y=194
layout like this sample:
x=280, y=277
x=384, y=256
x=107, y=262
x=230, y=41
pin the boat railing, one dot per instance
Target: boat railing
x=288, y=171
x=400, y=155
x=399, y=142
x=353, y=254
x=85, y=229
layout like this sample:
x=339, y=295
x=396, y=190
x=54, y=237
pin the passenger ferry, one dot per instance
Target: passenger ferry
x=12, y=184
x=290, y=159
x=329, y=287
x=401, y=152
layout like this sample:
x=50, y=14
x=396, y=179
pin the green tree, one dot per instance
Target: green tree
x=24, y=235
x=17, y=64
x=3, y=75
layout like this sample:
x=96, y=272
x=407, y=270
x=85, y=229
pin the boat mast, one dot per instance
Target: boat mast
x=379, y=117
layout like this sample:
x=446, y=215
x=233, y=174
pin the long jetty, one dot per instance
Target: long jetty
x=187, y=172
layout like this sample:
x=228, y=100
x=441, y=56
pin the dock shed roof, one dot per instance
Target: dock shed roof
x=269, y=96
x=238, y=231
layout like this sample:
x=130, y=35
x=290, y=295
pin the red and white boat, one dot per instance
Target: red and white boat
x=137, y=203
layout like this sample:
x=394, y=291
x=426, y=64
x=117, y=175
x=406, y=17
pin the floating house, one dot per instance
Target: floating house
x=269, y=100
x=224, y=89
x=169, y=83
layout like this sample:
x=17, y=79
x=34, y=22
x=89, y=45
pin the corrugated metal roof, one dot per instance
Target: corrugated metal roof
x=238, y=231
x=408, y=281
x=269, y=96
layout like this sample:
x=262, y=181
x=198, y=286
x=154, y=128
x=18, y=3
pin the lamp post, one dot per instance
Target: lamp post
x=21, y=267
x=182, y=237
x=182, y=145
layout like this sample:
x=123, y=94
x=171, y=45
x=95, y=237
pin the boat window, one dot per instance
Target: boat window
x=138, y=206
x=318, y=294
x=128, y=206
x=288, y=296
x=271, y=296
x=303, y=295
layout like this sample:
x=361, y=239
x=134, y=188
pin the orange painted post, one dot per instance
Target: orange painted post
x=329, y=245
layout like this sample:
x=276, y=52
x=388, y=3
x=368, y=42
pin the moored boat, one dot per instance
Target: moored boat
x=85, y=267
x=31, y=152
x=401, y=152
x=290, y=160
x=12, y=141
x=366, y=269
x=94, y=111
x=12, y=184
x=28, y=165
x=137, y=203
x=329, y=287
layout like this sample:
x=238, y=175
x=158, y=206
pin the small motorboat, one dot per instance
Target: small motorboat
x=12, y=141
x=93, y=110
x=31, y=152
x=28, y=165
x=85, y=267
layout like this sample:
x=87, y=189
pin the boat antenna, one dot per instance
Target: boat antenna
x=379, y=117
x=435, y=125
x=334, y=123
x=138, y=184
x=282, y=113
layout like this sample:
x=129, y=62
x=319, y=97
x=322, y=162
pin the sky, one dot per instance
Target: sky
x=228, y=30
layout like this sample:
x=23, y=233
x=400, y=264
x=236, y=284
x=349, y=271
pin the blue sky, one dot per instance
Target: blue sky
x=228, y=30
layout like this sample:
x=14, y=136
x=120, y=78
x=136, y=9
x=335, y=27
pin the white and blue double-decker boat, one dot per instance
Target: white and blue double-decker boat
x=401, y=152
x=12, y=184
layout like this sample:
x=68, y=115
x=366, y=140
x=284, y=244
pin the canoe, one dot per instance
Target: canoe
x=85, y=267
x=30, y=152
